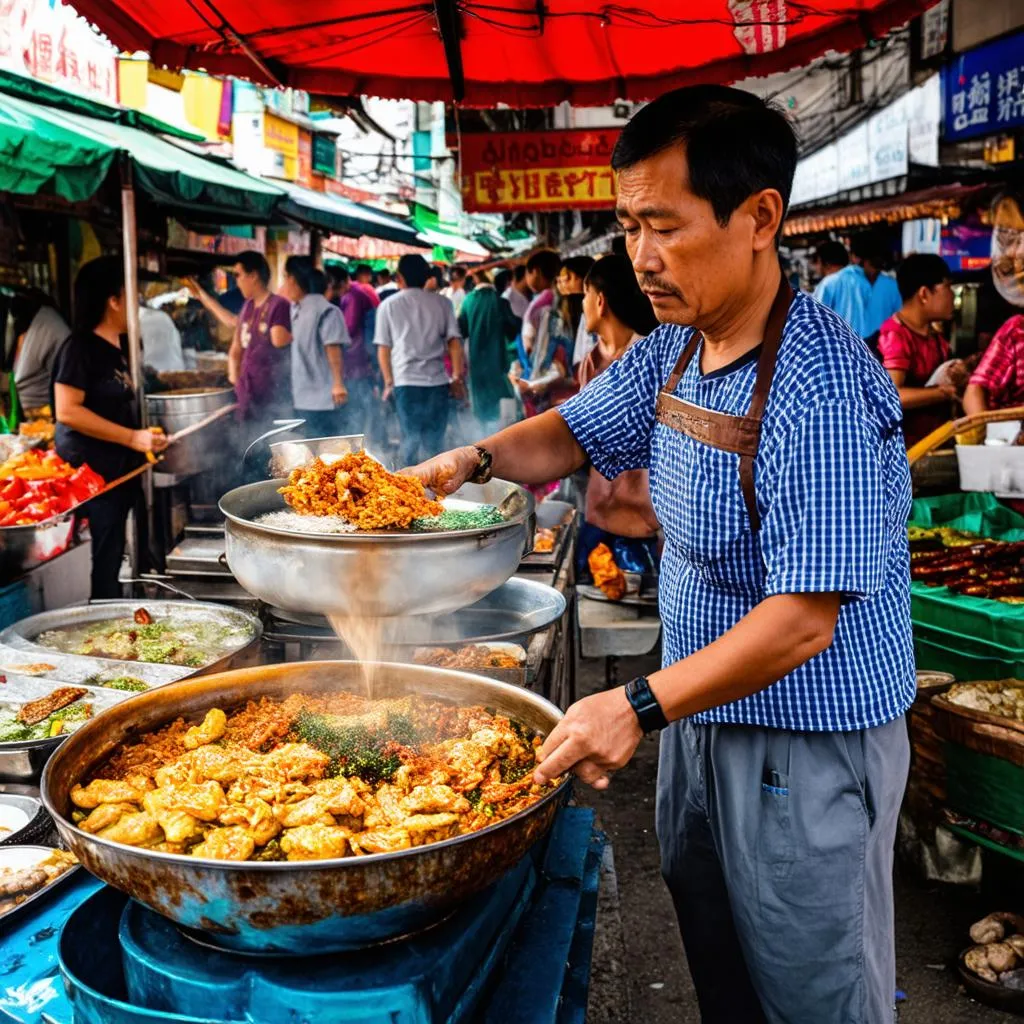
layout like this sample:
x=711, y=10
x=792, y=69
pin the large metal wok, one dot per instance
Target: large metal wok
x=374, y=574
x=311, y=906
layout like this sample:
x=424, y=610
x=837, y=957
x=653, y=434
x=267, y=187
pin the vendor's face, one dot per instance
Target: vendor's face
x=592, y=308
x=691, y=267
x=1008, y=251
x=248, y=281
x=117, y=310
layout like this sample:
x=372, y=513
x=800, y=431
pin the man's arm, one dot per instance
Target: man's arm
x=600, y=734
x=917, y=398
x=235, y=355
x=280, y=337
x=387, y=374
x=335, y=360
x=210, y=304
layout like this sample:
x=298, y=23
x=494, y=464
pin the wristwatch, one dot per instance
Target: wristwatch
x=482, y=473
x=645, y=705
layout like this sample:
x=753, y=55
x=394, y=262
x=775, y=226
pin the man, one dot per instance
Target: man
x=318, y=337
x=913, y=348
x=542, y=269
x=161, y=340
x=518, y=294
x=456, y=290
x=784, y=582
x=415, y=330
x=258, y=366
x=884, y=297
x=570, y=282
x=386, y=287
x=487, y=323
x=359, y=311
x=998, y=382
x=843, y=287
x=39, y=330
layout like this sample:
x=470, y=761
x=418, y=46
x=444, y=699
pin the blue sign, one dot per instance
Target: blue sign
x=983, y=90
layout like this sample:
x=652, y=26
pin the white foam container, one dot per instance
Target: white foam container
x=997, y=466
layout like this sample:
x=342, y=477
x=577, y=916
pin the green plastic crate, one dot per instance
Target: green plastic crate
x=972, y=644
x=993, y=622
x=932, y=655
x=972, y=512
x=985, y=787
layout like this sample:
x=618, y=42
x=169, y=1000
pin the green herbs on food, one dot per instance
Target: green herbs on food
x=129, y=683
x=459, y=519
x=13, y=731
x=355, y=747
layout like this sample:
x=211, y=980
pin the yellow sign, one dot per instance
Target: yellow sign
x=572, y=187
x=283, y=137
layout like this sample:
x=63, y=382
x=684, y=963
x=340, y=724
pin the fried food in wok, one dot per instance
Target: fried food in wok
x=468, y=657
x=358, y=488
x=313, y=777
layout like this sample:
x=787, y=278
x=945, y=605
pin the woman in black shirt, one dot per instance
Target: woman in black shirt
x=97, y=412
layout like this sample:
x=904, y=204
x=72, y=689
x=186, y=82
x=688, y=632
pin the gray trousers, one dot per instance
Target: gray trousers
x=777, y=848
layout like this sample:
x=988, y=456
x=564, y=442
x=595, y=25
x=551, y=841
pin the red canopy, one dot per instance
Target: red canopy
x=523, y=53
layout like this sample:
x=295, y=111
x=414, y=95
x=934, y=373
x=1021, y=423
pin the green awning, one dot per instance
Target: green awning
x=60, y=99
x=175, y=177
x=341, y=216
x=42, y=152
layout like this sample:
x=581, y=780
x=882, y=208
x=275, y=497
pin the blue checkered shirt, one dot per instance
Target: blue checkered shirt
x=833, y=490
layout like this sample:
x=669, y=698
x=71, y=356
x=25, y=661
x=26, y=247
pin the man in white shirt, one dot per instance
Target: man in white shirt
x=161, y=340
x=518, y=294
x=415, y=330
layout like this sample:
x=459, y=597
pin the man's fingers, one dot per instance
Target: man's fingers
x=553, y=740
x=592, y=774
x=558, y=762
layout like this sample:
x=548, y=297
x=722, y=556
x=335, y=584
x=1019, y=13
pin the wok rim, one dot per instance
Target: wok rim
x=274, y=867
x=370, y=536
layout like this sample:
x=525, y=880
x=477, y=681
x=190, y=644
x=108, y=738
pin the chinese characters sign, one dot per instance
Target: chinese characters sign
x=46, y=39
x=538, y=171
x=984, y=90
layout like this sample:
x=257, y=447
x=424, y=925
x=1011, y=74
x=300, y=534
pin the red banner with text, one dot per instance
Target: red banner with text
x=543, y=172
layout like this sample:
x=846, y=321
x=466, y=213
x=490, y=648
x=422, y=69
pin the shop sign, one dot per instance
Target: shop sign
x=984, y=90
x=325, y=155
x=935, y=30
x=305, y=158
x=282, y=137
x=887, y=142
x=966, y=244
x=47, y=40
x=538, y=171
x=854, y=165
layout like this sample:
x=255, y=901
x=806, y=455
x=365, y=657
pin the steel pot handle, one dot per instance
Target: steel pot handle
x=161, y=583
x=280, y=427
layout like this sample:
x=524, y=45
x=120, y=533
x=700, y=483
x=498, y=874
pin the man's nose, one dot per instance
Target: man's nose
x=644, y=253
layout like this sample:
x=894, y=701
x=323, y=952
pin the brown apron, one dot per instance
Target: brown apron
x=739, y=434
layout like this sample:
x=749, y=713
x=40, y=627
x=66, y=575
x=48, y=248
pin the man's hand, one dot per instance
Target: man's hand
x=389, y=390
x=457, y=389
x=598, y=735
x=446, y=473
x=339, y=394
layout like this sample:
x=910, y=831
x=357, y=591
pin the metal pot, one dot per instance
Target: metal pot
x=370, y=574
x=176, y=410
x=309, y=906
x=24, y=547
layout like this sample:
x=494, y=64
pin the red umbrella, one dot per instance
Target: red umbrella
x=524, y=53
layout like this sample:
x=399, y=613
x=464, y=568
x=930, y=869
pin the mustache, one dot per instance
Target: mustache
x=652, y=283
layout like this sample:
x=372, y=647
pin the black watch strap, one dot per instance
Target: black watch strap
x=645, y=705
x=482, y=473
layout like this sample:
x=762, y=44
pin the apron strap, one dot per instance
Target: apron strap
x=762, y=385
x=685, y=357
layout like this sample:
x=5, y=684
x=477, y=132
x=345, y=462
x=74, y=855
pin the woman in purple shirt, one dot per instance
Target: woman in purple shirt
x=258, y=364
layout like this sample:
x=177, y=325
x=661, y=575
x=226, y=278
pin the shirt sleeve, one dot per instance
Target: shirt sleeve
x=71, y=366
x=382, y=328
x=613, y=417
x=824, y=530
x=995, y=371
x=333, y=330
x=894, y=348
x=281, y=315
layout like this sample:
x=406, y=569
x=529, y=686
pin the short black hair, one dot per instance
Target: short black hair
x=502, y=279
x=300, y=269
x=414, y=270
x=456, y=273
x=337, y=274
x=364, y=268
x=736, y=143
x=254, y=262
x=519, y=272
x=578, y=265
x=614, y=278
x=318, y=280
x=97, y=282
x=437, y=274
x=384, y=274
x=921, y=270
x=868, y=246
x=833, y=253
x=547, y=261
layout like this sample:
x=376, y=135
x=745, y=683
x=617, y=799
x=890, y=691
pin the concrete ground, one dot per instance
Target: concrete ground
x=640, y=970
